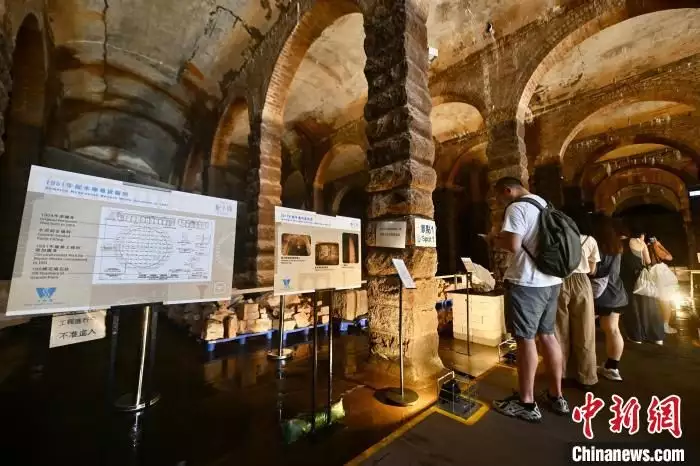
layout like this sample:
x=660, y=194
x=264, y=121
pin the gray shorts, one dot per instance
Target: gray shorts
x=531, y=311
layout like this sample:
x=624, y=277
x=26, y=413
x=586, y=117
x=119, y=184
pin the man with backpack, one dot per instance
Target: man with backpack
x=546, y=247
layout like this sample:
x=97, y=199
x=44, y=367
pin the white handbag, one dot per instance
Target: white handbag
x=645, y=285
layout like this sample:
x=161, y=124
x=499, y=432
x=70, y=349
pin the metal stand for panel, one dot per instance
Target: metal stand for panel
x=469, y=333
x=314, y=373
x=144, y=396
x=282, y=353
x=401, y=396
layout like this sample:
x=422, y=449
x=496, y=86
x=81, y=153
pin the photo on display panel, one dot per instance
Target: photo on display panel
x=350, y=242
x=296, y=245
x=327, y=254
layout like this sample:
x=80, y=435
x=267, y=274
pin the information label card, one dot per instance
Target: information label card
x=315, y=252
x=425, y=233
x=77, y=327
x=404, y=274
x=92, y=243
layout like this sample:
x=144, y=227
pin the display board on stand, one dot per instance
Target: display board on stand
x=90, y=243
x=315, y=252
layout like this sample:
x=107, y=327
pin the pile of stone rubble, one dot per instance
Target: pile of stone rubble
x=214, y=321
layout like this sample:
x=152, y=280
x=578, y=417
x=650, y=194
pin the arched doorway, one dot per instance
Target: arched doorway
x=23, y=137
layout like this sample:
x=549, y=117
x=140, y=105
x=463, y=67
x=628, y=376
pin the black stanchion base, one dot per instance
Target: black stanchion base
x=275, y=355
x=393, y=396
x=126, y=403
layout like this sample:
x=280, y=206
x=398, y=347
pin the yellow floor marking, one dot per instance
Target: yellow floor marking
x=470, y=421
x=391, y=437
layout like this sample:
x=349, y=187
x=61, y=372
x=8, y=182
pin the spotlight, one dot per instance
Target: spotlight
x=432, y=54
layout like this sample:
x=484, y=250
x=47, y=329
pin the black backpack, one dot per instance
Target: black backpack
x=559, y=241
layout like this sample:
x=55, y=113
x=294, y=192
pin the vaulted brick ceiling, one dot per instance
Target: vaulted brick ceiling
x=131, y=71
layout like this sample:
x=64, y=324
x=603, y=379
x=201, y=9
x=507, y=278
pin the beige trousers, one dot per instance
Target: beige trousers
x=575, y=329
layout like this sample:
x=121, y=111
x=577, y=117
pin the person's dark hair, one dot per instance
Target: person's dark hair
x=606, y=236
x=508, y=182
x=584, y=223
x=636, y=231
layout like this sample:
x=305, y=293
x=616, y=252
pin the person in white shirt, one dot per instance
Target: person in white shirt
x=530, y=304
x=575, y=326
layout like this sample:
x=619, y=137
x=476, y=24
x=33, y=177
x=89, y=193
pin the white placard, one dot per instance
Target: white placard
x=391, y=235
x=425, y=233
x=78, y=327
x=404, y=274
x=468, y=264
x=316, y=252
x=89, y=243
x=698, y=257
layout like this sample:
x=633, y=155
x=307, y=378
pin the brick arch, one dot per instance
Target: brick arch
x=329, y=156
x=604, y=192
x=22, y=127
x=475, y=155
x=471, y=98
x=600, y=15
x=588, y=184
x=586, y=151
x=677, y=92
x=222, y=136
x=311, y=25
x=630, y=196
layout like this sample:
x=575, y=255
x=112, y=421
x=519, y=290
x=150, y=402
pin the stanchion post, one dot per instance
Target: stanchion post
x=136, y=402
x=113, y=341
x=330, y=358
x=281, y=354
x=402, y=396
x=469, y=335
x=314, y=372
x=401, y=338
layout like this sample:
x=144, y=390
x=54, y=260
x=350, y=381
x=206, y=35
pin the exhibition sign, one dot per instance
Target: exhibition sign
x=405, y=276
x=77, y=327
x=91, y=243
x=315, y=252
x=391, y=234
x=425, y=233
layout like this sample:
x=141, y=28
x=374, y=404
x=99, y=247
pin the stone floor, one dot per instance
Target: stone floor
x=226, y=410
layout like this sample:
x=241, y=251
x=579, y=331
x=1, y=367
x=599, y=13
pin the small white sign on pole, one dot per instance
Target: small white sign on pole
x=468, y=264
x=404, y=274
x=425, y=233
x=77, y=327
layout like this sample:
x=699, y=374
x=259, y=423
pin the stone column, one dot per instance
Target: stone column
x=692, y=244
x=263, y=193
x=506, y=157
x=402, y=179
x=547, y=182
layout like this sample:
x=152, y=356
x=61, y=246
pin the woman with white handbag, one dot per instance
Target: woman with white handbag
x=642, y=319
x=666, y=281
x=610, y=295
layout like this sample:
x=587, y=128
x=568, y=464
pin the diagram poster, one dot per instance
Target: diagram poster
x=315, y=252
x=91, y=243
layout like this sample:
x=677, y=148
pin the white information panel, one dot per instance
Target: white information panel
x=404, y=274
x=315, y=252
x=391, y=234
x=425, y=233
x=77, y=327
x=468, y=264
x=92, y=243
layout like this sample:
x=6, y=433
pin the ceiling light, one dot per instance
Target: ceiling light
x=432, y=54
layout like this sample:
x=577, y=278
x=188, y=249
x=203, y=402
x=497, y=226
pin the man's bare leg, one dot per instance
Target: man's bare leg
x=551, y=353
x=527, y=366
